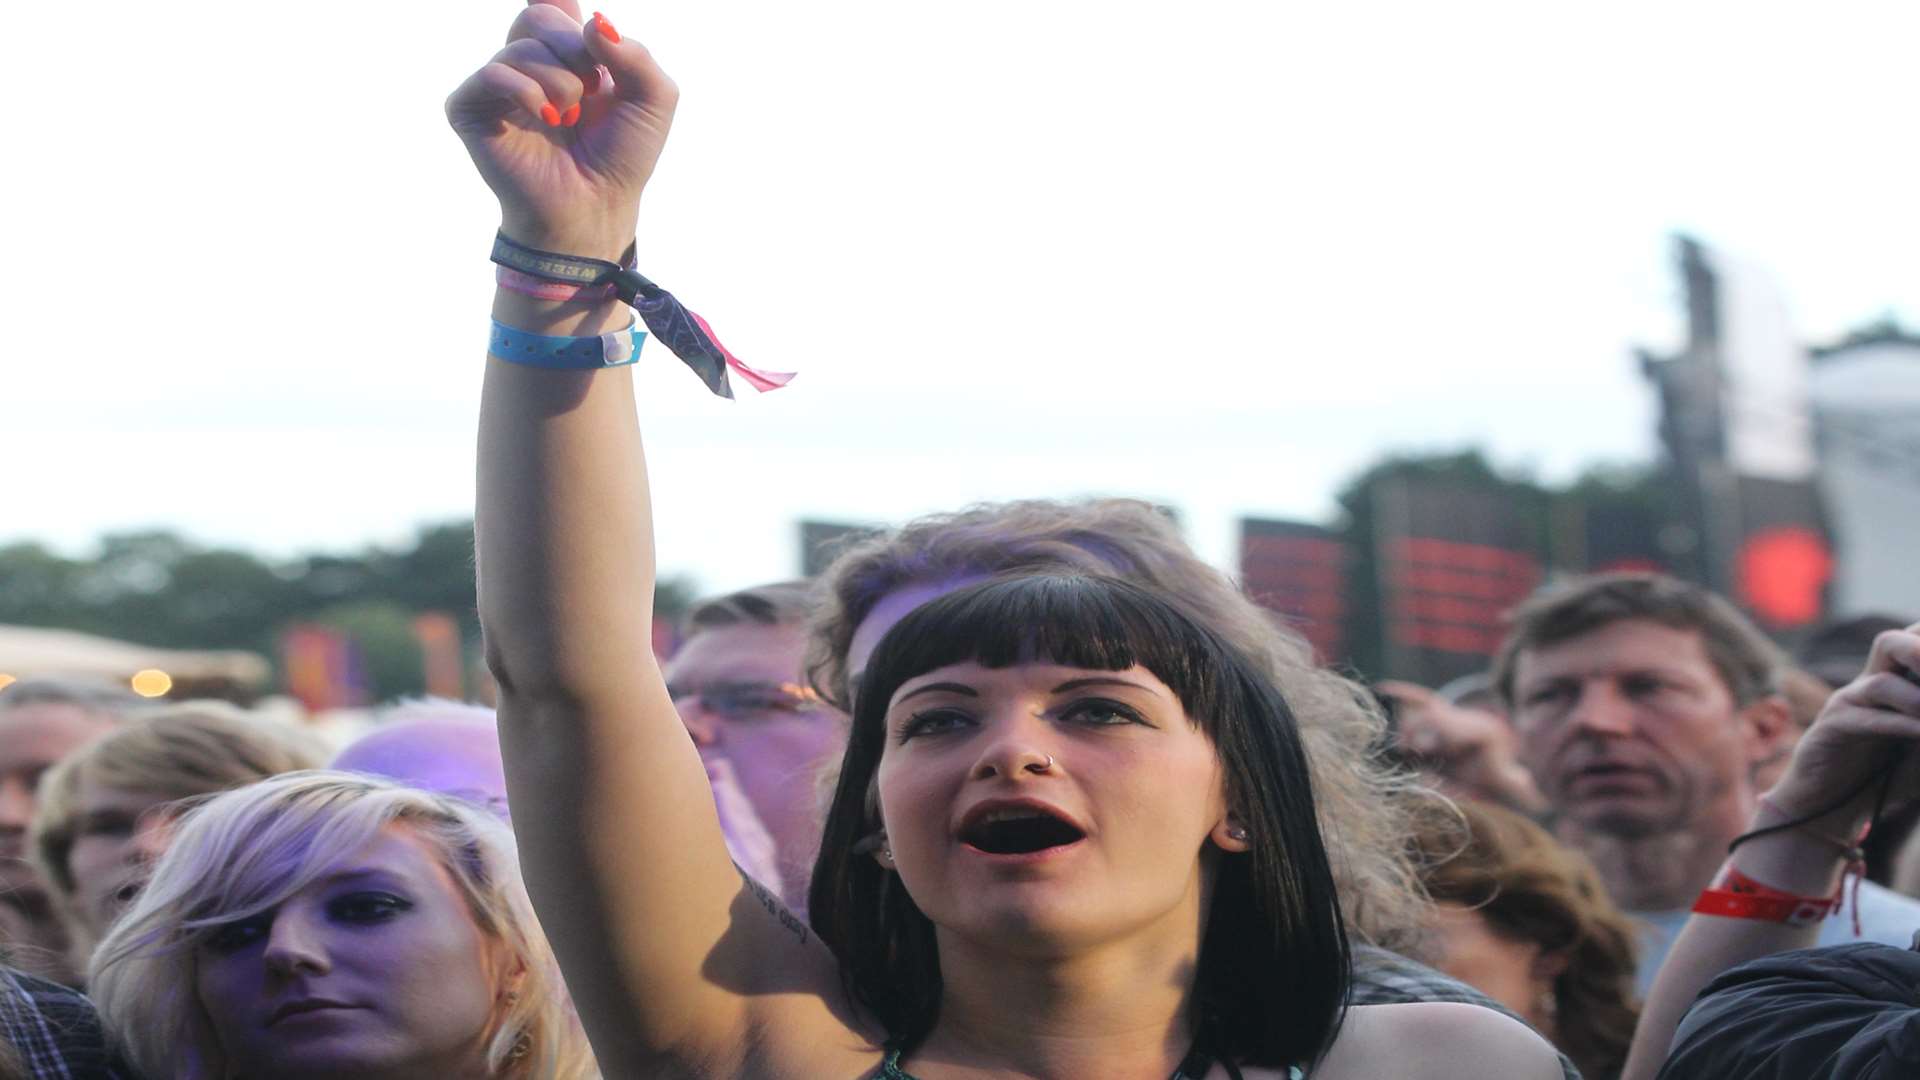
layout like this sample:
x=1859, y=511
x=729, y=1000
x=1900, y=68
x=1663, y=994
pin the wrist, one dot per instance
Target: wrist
x=1779, y=804
x=1806, y=858
x=1791, y=862
x=559, y=318
x=604, y=238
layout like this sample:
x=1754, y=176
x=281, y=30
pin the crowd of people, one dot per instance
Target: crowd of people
x=1024, y=790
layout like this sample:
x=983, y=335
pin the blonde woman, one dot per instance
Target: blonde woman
x=325, y=924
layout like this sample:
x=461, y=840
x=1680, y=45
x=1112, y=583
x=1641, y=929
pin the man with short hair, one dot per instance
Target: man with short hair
x=1643, y=707
x=41, y=721
x=765, y=736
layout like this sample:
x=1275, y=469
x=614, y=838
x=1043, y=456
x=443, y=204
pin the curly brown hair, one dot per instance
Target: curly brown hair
x=1366, y=808
x=1530, y=887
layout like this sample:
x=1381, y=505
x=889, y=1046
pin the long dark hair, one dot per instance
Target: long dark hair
x=1272, y=977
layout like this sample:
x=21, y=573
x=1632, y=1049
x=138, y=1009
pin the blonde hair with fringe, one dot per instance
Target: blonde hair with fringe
x=245, y=852
x=176, y=752
x=1366, y=809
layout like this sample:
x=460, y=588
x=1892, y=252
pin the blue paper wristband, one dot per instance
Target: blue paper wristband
x=566, y=353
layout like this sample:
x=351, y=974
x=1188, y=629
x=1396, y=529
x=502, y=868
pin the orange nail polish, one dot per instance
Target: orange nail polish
x=550, y=114
x=606, y=29
x=571, y=116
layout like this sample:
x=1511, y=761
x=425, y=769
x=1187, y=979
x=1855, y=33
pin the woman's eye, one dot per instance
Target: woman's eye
x=1101, y=712
x=235, y=936
x=933, y=722
x=367, y=907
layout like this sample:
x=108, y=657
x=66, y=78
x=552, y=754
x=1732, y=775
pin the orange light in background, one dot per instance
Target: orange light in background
x=151, y=683
x=6, y=680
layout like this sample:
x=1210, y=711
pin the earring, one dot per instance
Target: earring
x=1237, y=833
x=522, y=1046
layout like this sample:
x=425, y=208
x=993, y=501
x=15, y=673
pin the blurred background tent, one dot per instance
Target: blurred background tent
x=151, y=672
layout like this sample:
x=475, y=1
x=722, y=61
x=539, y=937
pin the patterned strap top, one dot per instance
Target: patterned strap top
x=1194, y=1066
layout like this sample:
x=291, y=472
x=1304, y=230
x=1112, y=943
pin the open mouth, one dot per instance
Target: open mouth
x=1019, y=832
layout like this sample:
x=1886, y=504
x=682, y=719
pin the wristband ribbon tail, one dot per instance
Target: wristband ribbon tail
x=689, y=337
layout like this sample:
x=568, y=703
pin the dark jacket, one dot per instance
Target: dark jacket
x=1845, y=1012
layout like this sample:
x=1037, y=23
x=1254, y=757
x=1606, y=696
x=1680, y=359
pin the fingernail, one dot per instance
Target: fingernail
x=590, y=83
x=571, y=116
x=606, y=29
x=550, y=114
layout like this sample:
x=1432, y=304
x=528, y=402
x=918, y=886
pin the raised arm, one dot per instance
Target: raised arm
x=1870, y=725
x=662, y=945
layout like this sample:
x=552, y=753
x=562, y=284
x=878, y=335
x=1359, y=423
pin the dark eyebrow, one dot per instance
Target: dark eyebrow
x=350, y=877
x=1099, y=680
x=949, y=687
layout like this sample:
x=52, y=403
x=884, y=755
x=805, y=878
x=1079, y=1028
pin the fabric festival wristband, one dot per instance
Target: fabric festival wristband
x=679, y=328
x=553, y=266
x=526, y=285
x=566, y=353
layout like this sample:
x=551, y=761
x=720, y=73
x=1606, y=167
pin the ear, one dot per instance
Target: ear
x=1230, y=835
x=1768, y=726
x=875, y=844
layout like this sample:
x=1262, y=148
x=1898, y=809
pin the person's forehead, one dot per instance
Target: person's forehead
x=95, y=797
x=35, y=736
x=1621, y=646
x=746, y=652
x=398, y=853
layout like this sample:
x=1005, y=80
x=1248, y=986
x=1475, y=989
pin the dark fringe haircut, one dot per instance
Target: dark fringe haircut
x=1271, y=986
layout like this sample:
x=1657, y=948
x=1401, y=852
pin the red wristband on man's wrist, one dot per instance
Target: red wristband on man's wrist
x=1740, y=897
x=1792, y=910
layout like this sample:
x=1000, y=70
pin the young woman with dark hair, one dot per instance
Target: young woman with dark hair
x=1069, y=869
x=1271, y=975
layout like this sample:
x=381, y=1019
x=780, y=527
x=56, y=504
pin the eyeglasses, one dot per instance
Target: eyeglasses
x=748, y=700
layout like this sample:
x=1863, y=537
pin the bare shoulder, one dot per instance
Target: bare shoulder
x=1436, y=1040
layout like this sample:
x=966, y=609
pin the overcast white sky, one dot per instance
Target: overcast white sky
x=1217, y=255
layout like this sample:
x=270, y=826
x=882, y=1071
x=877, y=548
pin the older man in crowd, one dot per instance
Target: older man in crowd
x=1643, y=706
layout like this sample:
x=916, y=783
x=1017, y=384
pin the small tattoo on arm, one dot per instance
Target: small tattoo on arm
x=775, y=908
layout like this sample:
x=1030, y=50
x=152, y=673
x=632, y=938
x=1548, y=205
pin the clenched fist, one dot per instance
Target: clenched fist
x=565, y=124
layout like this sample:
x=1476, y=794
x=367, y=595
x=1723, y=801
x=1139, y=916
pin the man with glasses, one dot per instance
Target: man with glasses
x=736, y=681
